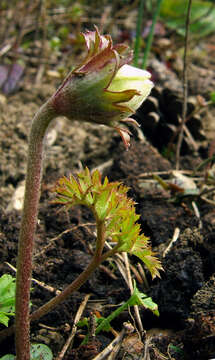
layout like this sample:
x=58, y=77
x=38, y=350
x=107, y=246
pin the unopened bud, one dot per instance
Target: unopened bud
x=103, y=89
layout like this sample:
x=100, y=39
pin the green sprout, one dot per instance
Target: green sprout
x=114, y=213
x=137, y=298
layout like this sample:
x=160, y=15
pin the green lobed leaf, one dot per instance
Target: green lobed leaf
x=102, y=204
x=40, y=352
x=109, y=203
x=7, y=298
x=96, y=178
x=4, y=319
x=85, y=180
x=7, y=285
x=139, y=298
x=151, y=262
x=70, y=187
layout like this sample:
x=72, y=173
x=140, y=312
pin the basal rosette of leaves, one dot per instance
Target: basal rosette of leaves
x=103, y=89
x=109, y=203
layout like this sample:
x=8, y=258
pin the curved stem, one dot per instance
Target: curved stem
x=81, y=279
x=28, y=226
x=76, y=284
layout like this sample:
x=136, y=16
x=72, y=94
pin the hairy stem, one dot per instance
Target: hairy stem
x=28, y=225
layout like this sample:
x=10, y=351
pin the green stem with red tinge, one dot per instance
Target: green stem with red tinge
x=81, y=279
x=75, y=285
x=39, y=127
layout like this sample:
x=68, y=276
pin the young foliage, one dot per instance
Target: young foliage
x=109, y=203
x=7, y=298
x=137, y=298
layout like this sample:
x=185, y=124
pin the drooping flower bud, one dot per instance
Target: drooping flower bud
x=103, y=89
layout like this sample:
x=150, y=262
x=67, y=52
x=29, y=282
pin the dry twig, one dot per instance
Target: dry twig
x=174, y=239
x=40, y=283
x=111, y=346
x=74, y=328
